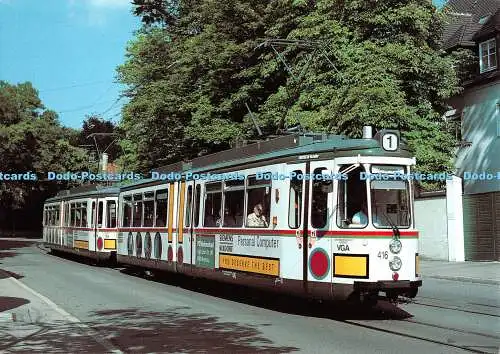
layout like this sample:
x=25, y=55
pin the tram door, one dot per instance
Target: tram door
x=321, y=213
x=184, y=240
x=297, y=212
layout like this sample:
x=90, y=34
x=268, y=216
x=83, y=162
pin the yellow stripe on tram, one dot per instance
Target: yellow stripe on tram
x=180, y=224
x=171, y=211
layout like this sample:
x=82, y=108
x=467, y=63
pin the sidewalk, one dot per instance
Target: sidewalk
x=29, y=322
x=473, y=272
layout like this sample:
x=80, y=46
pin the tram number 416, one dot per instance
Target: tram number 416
x=383, y=255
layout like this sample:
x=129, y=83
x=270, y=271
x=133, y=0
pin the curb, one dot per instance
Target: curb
x=465, y=279
x=84, y=329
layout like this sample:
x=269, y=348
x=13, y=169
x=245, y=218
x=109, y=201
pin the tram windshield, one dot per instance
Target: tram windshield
x=352, y=203
x=390, y=201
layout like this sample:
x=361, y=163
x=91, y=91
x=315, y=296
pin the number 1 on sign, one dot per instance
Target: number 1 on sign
x=390, y=142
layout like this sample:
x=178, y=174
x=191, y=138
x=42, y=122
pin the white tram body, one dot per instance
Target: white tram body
x=338, y=217
x=82, y=221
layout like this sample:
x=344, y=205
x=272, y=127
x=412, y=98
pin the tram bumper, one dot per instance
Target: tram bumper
x=391, y=288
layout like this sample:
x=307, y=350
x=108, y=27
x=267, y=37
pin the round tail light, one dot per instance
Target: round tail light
x=99, y=243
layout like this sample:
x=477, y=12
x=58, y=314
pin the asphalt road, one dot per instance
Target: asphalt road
x=130, y=312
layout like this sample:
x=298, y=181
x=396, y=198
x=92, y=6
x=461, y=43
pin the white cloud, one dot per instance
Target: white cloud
x=96, y=12
x=110, y=3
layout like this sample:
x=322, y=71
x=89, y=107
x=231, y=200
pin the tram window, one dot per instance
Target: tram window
x=258, y=194
x=149, y=213
x=189, y=205
x=161, y=207
x=57, y=211
x=78, y=215
x=352, y=200
x=390, y=203
x=295, y=201
x=111, y=214
x=234, y=196
x=137, y=214
x=127, y=212
x=83, y=209
x=92, y=216
x=197, y=205
x=213, y=204
x=319, y=201
x=73, y=215
x=100, y=211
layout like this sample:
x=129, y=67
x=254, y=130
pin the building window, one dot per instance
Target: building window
x=488, y=55
x=453, y=120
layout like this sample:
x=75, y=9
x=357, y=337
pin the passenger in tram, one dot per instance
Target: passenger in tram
x=257, y=218
x=361, y=217
x=218, y=222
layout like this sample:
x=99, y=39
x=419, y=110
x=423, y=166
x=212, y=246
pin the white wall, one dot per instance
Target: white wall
x=431, y=222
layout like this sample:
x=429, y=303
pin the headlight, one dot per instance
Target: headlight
x=395, y=246
x=395, y=264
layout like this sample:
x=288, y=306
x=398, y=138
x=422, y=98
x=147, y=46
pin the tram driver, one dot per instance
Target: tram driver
x=361, y=217
x=257, y=218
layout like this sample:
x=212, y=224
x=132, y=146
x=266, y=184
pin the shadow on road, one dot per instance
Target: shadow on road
x=339, y=311
x=7, y=250
x=135, y=331
x=9, y=303
x=6, y=246
x=175, y=330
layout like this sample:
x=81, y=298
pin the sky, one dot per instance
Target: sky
x=69, y=51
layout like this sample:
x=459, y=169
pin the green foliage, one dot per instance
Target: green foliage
x=195, y=66
x=32, y=141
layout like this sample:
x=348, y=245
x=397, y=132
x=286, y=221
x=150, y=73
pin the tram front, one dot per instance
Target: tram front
x=377, y=248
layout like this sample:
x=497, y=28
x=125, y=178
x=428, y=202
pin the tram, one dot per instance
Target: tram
x=82, y=221
x=316, y=215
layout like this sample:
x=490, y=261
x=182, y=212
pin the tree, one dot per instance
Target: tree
x=195, y=67
x=32, y=142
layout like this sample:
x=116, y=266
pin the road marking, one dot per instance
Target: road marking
x=70, y=318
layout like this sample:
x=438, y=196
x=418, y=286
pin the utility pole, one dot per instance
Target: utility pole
x=102, y=160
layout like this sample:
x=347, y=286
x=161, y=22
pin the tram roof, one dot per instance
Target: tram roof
x=85, y=191
x=288, y=148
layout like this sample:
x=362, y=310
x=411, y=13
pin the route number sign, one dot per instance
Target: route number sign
x=390, y=141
